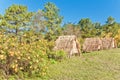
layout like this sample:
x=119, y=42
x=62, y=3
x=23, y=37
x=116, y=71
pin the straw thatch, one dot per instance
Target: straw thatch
x=95, y=44
x=92, y=44
x=108, y=43
x=69, y=44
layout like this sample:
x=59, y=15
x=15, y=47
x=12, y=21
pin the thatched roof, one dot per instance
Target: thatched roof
x=92, y=44
x=95, y=44
x=108, y=43
x=67, y=43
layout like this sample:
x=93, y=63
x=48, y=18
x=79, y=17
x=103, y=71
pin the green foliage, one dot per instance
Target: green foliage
x=57, y=55
x=81, y=41
x=17, y=16
x=53, y=61
x=87, y=28
x=110, y=20
x=53, y=21
x=110, y=30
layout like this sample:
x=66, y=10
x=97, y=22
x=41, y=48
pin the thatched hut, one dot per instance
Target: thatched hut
x=108, y=43
x=95, y=44
x=69, y=44
x=92, y=44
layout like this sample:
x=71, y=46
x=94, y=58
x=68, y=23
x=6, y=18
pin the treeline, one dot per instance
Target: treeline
x=85, y=28
x=47, y=23
x=27, y=38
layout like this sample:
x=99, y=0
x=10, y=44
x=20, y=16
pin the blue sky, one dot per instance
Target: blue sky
x=73, y=10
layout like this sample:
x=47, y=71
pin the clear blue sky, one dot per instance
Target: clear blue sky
x=73, y=10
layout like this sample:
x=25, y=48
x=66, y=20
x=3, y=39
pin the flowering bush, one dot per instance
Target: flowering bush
x=26, y=55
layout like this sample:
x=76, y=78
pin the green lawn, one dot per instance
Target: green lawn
x=99, y=65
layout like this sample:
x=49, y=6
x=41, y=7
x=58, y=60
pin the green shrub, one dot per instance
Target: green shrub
x=81, y=41
x=57, y=55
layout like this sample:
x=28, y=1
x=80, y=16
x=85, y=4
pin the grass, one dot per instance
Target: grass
x=99, y=65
